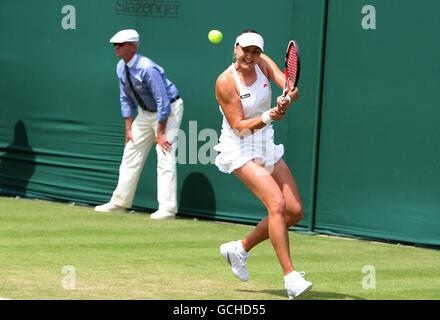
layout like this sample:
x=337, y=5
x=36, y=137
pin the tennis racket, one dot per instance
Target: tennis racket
x=292, y=68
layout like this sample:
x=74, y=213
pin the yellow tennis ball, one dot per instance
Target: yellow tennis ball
x=215, y=36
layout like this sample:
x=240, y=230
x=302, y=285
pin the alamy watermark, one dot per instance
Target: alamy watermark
x=198, y=147
x=139, y=8
x=171, y=9
x=68, y=282
x=68, y=22
x=369, y=280
x=369, y=20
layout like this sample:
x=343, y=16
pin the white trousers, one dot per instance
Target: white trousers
x=144, y=130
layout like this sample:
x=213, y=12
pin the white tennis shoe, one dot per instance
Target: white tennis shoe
x=109, y=207
x=236, y=256
x=296, y=285
x=160, y=214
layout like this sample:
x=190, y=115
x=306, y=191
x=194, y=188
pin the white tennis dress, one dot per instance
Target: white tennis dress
x=234, y=150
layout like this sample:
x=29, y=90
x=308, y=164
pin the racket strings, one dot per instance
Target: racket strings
x=292, y=65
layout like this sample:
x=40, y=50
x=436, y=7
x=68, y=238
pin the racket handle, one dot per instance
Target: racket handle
x=285, y=98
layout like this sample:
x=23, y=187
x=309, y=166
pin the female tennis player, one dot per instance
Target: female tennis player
x=247, y=149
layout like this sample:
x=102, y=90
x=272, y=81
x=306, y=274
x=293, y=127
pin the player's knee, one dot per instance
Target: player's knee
x=295, y=215
x=277, y=206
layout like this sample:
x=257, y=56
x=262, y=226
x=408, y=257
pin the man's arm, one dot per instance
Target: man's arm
x=127, y=107
x=159, y=92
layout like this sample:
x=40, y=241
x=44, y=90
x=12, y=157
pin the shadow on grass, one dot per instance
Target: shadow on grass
x=312, y=295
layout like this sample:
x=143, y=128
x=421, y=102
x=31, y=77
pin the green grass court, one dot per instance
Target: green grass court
x=130, y=256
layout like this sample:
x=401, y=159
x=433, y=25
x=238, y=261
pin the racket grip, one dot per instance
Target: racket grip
x=284, y=99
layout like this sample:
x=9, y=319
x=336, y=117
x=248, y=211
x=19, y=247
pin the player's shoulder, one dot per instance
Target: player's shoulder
x=264, y=65
x=225, y=85
x=225, y=78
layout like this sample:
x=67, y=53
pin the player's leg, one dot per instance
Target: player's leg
x=266, y=188
x=294, y=211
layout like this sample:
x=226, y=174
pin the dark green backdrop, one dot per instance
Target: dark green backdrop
x=363, y=141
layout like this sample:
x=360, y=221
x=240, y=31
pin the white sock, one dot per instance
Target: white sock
x=240, y=247
x=290, y=275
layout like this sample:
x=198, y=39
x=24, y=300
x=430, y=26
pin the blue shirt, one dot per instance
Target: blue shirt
x=150, y=83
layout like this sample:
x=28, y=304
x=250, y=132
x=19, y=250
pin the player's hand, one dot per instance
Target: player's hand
x=277, y=114
x=129, y=136
x=283, y=103
x=162, y=142
x=294, y=95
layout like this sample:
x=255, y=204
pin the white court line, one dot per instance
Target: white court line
x=1, y=298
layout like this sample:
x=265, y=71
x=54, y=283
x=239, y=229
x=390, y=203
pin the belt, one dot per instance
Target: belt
x=171, y=101
x=175, y=99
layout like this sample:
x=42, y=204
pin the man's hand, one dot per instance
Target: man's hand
x=161, y=138
x=128, y=132
x=128, y=136
x=162, y=142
